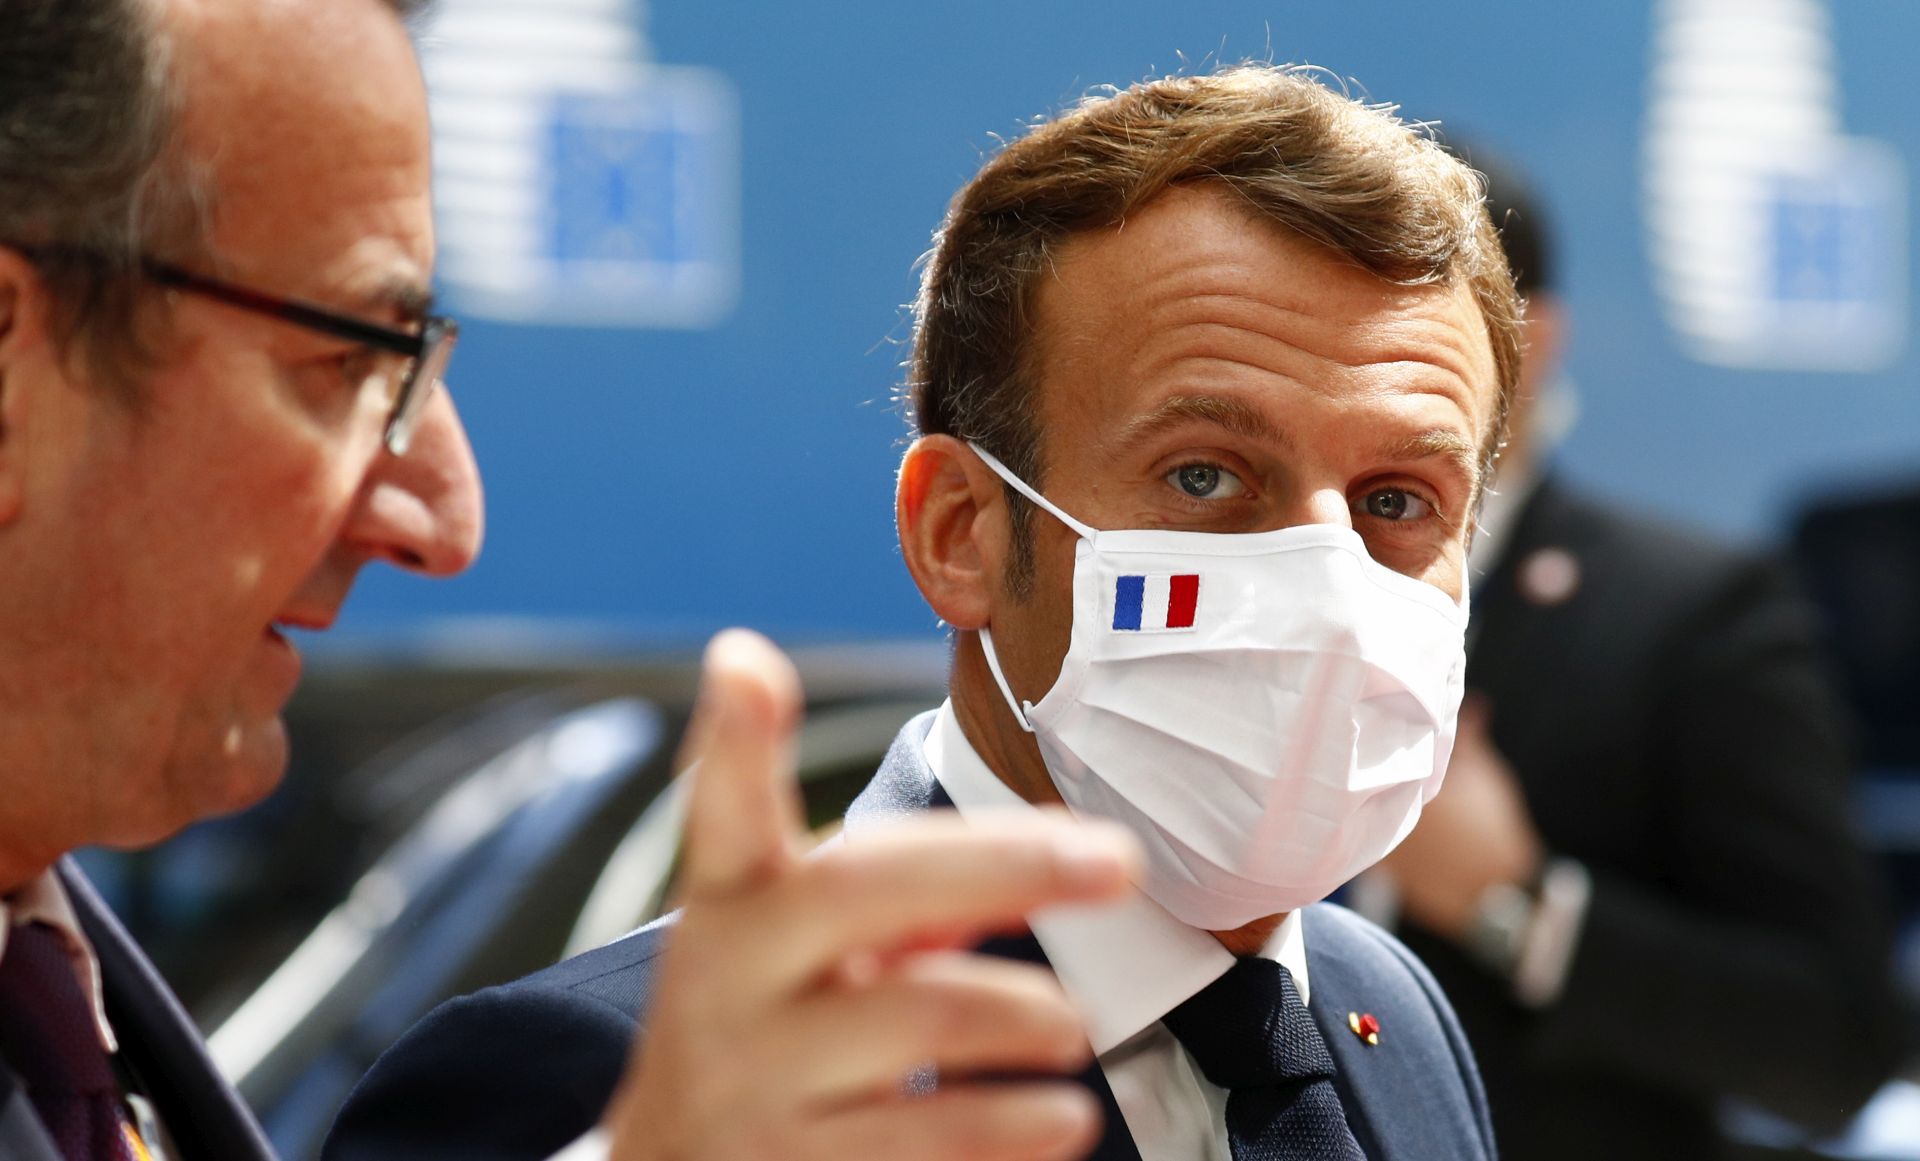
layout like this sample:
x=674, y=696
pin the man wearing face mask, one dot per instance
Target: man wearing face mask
x=1200, y=524
x=1207, y=376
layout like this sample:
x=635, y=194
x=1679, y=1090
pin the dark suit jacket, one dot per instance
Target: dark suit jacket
x=158, y=1043
x=516, y=1072
x=1672, y=729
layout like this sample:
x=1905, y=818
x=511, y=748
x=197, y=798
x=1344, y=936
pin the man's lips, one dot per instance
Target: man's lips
x=277, y=629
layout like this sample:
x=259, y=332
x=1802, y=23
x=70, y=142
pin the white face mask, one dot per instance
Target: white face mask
x=1266, y=711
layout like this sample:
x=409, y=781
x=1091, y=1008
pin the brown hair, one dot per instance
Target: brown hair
x=1350, y=176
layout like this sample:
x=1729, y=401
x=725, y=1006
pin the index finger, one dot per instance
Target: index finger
x=935, y=881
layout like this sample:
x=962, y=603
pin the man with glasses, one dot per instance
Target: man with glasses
x=212, y=357
x=220, y=397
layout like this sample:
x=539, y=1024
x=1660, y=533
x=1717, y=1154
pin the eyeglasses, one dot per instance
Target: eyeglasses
x=427, y=352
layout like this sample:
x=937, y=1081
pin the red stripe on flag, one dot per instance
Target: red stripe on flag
x=1183, y=593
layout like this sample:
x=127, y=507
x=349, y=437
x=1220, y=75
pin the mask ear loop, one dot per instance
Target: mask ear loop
x=1021, y=486
x=1020, y=709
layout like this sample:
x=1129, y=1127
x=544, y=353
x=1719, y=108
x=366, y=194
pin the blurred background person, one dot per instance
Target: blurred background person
x=1641, y=885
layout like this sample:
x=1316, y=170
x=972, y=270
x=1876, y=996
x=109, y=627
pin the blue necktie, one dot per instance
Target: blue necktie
x=1251, y=1035
x=48, y=1036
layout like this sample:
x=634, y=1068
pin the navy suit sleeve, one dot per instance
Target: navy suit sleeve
x=514, y=1073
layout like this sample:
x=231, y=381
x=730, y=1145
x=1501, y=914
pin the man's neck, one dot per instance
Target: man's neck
x=16, y=872
x=42, y=741
x=1248, y=939
x=1013, y=756
x=988, y=722
x=27, y=848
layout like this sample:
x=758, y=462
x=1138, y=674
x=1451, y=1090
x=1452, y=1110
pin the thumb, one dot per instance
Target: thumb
x=743, y=820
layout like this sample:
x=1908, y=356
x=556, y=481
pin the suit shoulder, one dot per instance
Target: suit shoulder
x=505, y=1074
x=1365, y=949
x=508, y=1073
x=1671, y=573
x=620, y=974
x=1629, y=538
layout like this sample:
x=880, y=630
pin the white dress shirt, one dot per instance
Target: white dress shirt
x=1125, y=966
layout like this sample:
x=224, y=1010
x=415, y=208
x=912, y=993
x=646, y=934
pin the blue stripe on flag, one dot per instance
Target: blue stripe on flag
x=1127, y=594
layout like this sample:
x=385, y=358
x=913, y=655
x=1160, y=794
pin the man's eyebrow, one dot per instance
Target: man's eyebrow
x=1236, y=416
x=1441, y=443
x=397, y=296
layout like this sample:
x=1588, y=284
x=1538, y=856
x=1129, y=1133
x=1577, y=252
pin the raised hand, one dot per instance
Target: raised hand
x=798, y=993
x=1475, y=833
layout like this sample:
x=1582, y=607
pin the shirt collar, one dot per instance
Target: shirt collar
x=1124, y=965
x=44, y=900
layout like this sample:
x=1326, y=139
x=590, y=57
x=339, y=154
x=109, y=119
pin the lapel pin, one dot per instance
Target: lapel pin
x=1550, y=576
x=1365, y=1027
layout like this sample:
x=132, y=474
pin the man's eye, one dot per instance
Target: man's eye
x=1206, y=482
x=364, y=369
x=1395, y=504
x=356, y=366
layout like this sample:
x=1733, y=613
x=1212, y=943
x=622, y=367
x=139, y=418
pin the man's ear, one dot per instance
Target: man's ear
x=952, y=515
x=23, y=333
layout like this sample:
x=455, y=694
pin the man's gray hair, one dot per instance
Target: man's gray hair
x=89, y=177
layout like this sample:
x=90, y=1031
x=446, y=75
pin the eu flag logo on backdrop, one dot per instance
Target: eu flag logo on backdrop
x=576, y=179
x=1778, y=240
x=1155, y=602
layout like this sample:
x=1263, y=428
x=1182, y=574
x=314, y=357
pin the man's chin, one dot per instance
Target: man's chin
x=205, y=781
x=254, y=761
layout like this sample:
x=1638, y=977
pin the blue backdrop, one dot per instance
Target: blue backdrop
x=650, y=484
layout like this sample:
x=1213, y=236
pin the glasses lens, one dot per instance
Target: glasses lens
x=436, y=339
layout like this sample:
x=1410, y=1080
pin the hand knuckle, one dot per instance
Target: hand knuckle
x=946, y=1018
x=832, y=883
x=981, y=1135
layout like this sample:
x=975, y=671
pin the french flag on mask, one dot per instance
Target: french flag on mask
x=1155, y=602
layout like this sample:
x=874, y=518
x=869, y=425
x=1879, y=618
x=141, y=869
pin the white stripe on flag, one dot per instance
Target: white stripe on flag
x=1153, y=606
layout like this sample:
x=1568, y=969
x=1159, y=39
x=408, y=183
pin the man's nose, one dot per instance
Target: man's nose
x=423, y=511
x=1321, y=505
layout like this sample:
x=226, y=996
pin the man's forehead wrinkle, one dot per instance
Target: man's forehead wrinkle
x=1461, y=350
x=1181, y=262
x=304, y=118
x=1202, y=352
x=1389, y=335
x=1184, y=304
